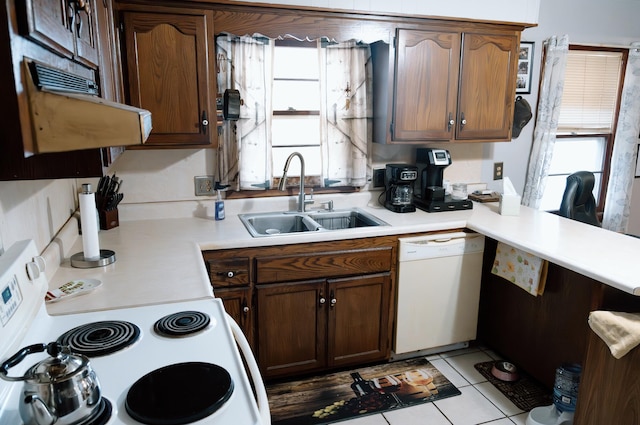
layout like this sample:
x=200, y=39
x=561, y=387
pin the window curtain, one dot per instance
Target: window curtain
x=623, y=158
x=544, y=133
x=346, y=127
x=244, y=152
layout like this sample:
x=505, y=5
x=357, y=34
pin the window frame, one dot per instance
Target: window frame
x=609, y=137
x=313, y=183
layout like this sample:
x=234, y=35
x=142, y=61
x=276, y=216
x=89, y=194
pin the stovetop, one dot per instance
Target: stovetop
x=118, y=371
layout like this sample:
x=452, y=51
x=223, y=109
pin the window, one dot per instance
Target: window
x=308, y=97
x=588, y=116
x=295, y=125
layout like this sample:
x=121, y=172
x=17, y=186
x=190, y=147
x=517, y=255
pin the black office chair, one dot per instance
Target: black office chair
x=578, y=202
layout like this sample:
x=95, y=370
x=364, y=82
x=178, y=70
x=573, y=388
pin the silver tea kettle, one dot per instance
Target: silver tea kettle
x=62, y=389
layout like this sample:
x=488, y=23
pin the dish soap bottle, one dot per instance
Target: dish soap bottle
x=219, y=206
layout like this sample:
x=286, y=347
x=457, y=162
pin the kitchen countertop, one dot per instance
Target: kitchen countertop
x=158, y=260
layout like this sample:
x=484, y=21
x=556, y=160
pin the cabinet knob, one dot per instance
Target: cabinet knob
x=463, y=120
x=451, y=122
x=205, y=122
x=333, y=299
x=322, y=300
x=230, y=274
x=245, y=309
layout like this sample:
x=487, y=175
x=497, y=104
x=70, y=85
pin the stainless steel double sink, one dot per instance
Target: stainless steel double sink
x=283, y=223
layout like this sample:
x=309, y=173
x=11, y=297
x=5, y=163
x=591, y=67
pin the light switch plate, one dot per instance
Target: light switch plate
x=204, y=185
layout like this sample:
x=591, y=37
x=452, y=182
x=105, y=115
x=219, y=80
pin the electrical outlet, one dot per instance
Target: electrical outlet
x=497, y=170
x=378, y=177
x=205, y=185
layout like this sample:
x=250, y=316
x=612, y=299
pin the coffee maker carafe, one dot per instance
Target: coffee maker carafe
x=398, y=183
x=432, y=197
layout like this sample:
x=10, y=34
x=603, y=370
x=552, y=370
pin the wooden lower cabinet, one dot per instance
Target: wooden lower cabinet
x=310, y=307
x=358, y=320
x=237, y=303
x=308, y=326
x=292, y=327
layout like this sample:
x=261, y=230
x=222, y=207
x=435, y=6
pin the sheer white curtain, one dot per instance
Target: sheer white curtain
x=623, y=158
x=244, y=153
x=544, y=133
x=345, y=113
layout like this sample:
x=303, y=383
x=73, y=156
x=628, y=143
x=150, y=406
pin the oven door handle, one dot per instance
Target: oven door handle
x=254, y=372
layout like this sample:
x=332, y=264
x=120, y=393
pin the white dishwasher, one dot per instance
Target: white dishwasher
x=438, y=291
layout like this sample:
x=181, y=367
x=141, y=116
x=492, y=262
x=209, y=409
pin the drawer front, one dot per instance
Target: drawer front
x=322, y=265
x=229, y=272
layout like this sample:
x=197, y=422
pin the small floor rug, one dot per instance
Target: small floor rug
x=347, y=394
x=526, y=393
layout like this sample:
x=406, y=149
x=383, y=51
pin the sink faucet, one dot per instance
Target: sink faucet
x=301, y=197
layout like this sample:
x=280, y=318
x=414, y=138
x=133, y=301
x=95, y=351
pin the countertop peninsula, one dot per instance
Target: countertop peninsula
x=158, y=247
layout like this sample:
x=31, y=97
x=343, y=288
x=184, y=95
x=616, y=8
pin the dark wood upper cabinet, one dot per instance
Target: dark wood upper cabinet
x=67, y=27
x=170, y=71
x=445, y=85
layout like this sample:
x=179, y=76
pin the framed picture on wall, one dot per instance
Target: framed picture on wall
x=525, y=67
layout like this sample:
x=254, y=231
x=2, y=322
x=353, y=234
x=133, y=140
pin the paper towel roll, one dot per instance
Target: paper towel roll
x=89, y=223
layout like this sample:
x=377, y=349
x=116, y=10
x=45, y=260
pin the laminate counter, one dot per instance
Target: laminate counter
x=158, y=246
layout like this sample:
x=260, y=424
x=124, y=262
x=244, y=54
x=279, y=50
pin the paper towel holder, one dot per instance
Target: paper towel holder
x=106, y=257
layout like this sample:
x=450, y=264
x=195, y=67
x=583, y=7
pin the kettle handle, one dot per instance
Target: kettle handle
x=53, y=348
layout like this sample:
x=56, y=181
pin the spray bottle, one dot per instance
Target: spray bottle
x=219, y=201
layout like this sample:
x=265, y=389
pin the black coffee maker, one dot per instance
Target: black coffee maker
x=432, y=197
x=398, y=183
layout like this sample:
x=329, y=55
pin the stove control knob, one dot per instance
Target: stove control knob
x=40, y=261
x=35, y=267
x=33, y=271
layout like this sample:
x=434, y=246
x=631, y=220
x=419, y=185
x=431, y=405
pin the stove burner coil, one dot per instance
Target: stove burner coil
x=181, y=323
x=100, y=338
x=159, y=397
x=101, y=415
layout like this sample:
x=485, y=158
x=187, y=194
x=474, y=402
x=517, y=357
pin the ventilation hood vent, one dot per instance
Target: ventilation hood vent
x=67, y=115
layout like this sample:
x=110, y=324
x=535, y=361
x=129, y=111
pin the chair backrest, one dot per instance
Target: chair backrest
x=578, y=202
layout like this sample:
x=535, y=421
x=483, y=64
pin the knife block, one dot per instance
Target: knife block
x=108, y=219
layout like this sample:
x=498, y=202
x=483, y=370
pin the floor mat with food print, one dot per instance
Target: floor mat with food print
x=347, y=394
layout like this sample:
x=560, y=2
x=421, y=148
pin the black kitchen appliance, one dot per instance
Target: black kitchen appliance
x=431, y=196
x=398, y=183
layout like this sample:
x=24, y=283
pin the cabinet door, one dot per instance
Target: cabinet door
x=85, y=30
x=358, y=319
x=237, y=303
x=291, y=326
x=169, y=74
x=487, y=86
x=62, y=26
x=426, y=85
x=48, y=22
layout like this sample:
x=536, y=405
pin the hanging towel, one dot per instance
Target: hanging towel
x=521, y=268
x=620, y=331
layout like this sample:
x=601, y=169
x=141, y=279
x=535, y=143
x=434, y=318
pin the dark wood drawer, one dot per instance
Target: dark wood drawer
x=229, y=272
x=322, y=265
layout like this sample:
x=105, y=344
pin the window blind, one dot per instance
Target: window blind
x=590, y=93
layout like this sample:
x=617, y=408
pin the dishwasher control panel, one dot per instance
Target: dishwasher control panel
x=439, y=245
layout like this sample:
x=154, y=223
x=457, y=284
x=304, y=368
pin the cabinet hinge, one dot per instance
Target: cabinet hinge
x=391, y=127
x=395, y=43
x=122, y=27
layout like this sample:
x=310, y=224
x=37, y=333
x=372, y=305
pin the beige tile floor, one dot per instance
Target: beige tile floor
x=479, y=403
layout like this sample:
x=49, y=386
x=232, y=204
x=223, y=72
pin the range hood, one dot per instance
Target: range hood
x=66, y=113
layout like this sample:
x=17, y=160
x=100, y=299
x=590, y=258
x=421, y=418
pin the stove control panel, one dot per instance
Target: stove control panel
x=11, y=299
x=21, y=293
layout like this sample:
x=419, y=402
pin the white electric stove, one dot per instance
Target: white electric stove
x=194, y=343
